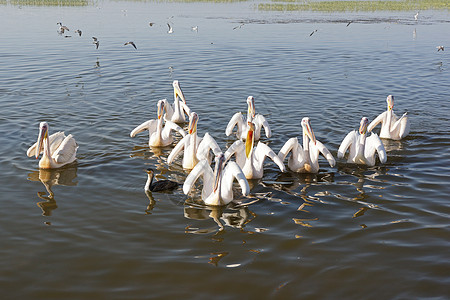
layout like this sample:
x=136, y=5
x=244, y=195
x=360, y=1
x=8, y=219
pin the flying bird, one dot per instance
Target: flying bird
x=306, y=159
x=170, y=28
x=195, y=28
x=416, y=16
x=349, y=23
x=239, y=26
x=160, y=185
x=439, y=48
x=96, y=42
x=151, y=24
x=57, y=149
x=362, y=148
x=130, y=43
x=78, y=31
x=62, y=28
x=392, y=127
x=313, y=32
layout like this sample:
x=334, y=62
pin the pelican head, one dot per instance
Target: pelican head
x=390, y=102
x=177, y=92
x=251, y=108
x=220, y=161
x=43, y=134
x=193, y=120
x=250, y=139
x=363, y=125
x=306, y=125
x=161, y=107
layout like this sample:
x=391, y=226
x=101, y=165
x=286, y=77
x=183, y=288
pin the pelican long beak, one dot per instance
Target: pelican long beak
x=43, y=134
x=177, y=92
x=250, y=139
x=309, y=132
x=160, y=109
x=218, y=171
x=193, y=120
x=363, y=125
x=390, y=102
x=251, y=107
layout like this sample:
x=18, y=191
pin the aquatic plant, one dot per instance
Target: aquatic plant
x=354, y=6
x=47, y=2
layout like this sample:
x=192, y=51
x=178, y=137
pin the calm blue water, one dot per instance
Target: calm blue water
x=347, y=232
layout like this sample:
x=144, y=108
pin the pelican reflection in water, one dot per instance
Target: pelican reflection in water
x=63, y=176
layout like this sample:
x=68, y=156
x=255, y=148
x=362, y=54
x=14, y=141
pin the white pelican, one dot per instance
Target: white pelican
x=218, y=184
x=251, y=159
x=306, y=159
x=159, y=136
x=176, y=112
x=362, y=148
x=57, y=150
x=159, y=185
x=242, y=124
x=195, y=148
x=392, y=127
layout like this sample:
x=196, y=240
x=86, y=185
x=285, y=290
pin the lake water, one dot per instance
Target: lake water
x=348, y=232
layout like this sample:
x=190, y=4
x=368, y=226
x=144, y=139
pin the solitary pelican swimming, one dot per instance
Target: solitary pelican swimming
x=176, y=112
x=362, y=148
x=306, y=159
x=57, y=150
x=251, y=159
x=160, y=185
x=242, y=125
x=392, y=127
x=218, y=184
x=195, y=148
x=159, y=136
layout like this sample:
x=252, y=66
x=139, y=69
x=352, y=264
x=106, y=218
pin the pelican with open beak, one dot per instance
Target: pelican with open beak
x=160, y=130
x=177, y=111
x=218, y=184
x=57, y=149
x=305, y=159
x=250, y=158
x=362, y=148
x=195, y=148
x=392, y=127
x=258, y=120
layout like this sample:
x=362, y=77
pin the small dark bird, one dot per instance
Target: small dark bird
x=349, y=23
x=313, y=32
x=130, y=43
x=440, y=48
x=151, y=24
x=78, y=31
x=96, y=42
x=160, y=185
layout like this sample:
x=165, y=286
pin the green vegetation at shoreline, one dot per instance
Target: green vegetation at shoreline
x=47, y=2
x=354, y=6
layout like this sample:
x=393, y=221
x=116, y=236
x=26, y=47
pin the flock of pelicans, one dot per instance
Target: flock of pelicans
x=58, y=149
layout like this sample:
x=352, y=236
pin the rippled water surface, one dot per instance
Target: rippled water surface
x=89, y=230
